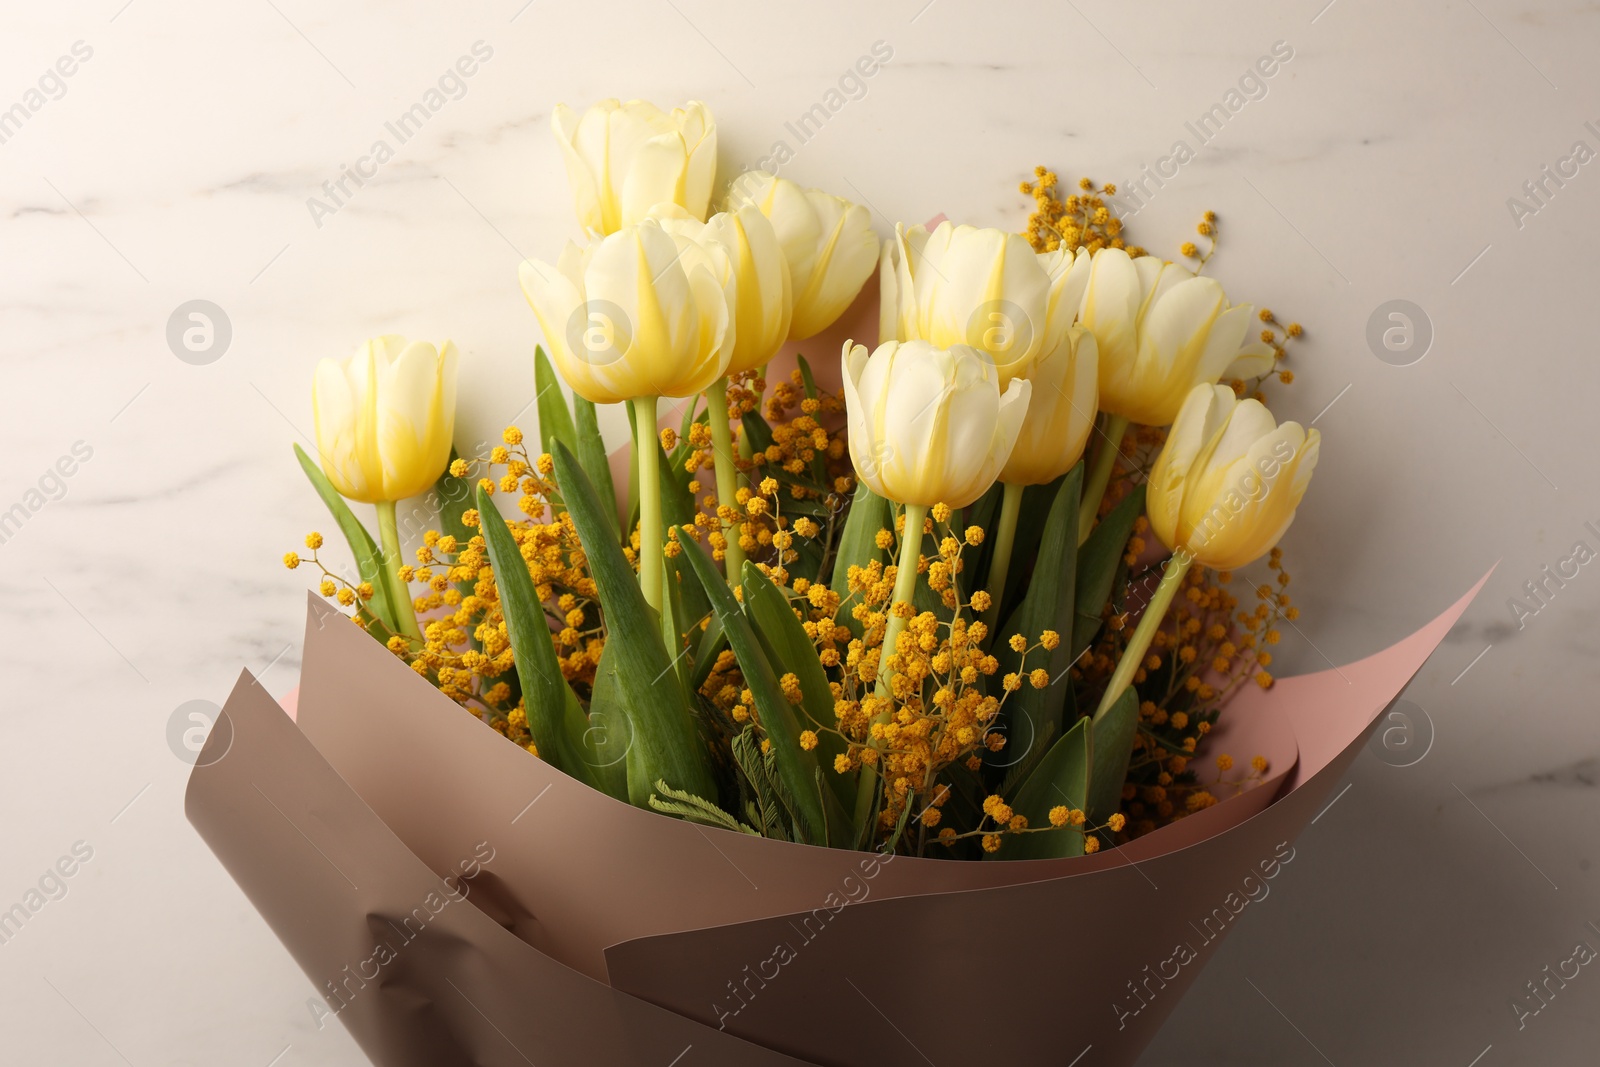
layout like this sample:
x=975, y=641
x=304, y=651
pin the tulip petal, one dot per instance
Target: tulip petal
x=1254, y=503
x=1156, y=278
x=762, y=300
x=1200, y=420
x=1249, y=422
x=558, y=303
x=656, y=176
x=699, y=133
x=333, y=409
x=1223, y=343
x=715, y=331
x=1254, y=358
x=1009, y=417
x=1069, y=277
x=1110, y=310
x=843, y=264
x=585, y=187
x=889, y=311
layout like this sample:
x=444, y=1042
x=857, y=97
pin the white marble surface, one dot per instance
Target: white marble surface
x=177, y=165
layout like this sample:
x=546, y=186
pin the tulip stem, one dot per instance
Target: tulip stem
x=1100, y=476
x=404, y=610
x=905, y=587
x=727, y=474
x=647, y=449
x=1005, y=535
x=1133, y=655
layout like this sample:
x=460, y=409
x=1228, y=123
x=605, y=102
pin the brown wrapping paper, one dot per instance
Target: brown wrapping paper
x=419, y=968
x=568, y=928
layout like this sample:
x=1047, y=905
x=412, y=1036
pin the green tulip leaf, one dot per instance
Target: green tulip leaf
x=674, y=633
x=555, y=418
x=756, y=431
x=455, y=496
x=666, y=743
x=609, y=737
x=555, y=718
x=1060, y=779
x=712, y=641
x=1037, y=716
x=819, y=463
x=818, y=812
x=368, y=556
x=858, y=546
x=1113, y=747
x=984, y=512
x=784, y=639
x=594, y=459
x=1098, y=561
x=678, y=509
x=632, y=521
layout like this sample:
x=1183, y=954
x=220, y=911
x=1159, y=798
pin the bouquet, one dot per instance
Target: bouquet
x=958, y=610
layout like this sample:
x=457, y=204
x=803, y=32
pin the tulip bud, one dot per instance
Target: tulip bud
x=980, y=287
x=1162, y=330
x=623, y=159
x=1228, y=480
x=929, y=425
x=828, y=242
x=1061, y=411
x=642, y=312
x=385, y=417
x=764, y=300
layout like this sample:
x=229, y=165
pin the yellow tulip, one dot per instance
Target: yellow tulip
x=624, y=159
x=1061, y=412
x=764, y=302
x=980, y=287
x=1162, y=330
x=929, y=425
x=1228, y=480
x=828, y=241
x=1221, y=494
x=385, y=417
x=641, y=313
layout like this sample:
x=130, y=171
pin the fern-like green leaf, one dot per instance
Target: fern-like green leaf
x=696, y=809
x=771, y=816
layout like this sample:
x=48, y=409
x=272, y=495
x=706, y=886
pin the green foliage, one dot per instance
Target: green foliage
x=555, y=718
x=555, y=418
x=1060, y=779
x=695, y=809
x=767, y=800
x=1098, y=562
x=368, y=557
x=665, y=742
x=1113, y=747
x=820, y=819
x=1036, y=717
x=593, y=458
x=783, y=638
x=858, y=545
